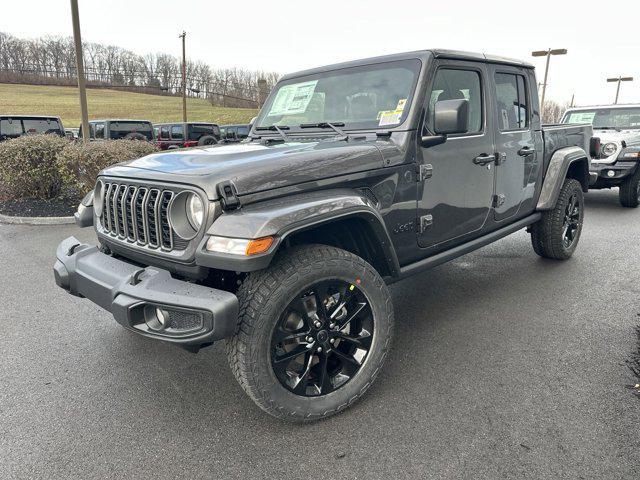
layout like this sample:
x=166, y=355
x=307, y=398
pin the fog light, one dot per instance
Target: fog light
x=611, y=173
x=162, y=316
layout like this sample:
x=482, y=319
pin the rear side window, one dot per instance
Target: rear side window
x=454, y=84
x=176, y=132
x=243, y=131
x=99, y=130
x=164, y=133
x=511, y=97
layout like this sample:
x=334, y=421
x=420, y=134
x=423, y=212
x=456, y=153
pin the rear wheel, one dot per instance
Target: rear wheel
x=207, y=140
x=314, y=331
x=557, y=233
x=630, y=191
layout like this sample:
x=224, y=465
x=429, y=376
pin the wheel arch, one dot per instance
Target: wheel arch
x=568, y=162
x=344, y=218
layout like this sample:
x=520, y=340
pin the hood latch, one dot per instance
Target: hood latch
x=228, y=195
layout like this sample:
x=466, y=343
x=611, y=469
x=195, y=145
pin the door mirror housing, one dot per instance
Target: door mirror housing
x=451, y=117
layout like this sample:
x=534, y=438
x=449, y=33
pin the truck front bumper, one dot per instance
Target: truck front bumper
x=600, y=176
x=148, y=300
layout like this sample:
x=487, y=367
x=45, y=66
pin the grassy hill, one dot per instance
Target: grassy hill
x=63, y=102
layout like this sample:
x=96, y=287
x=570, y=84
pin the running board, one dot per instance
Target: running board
x=468, y=247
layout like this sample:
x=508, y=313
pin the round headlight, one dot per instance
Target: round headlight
x=97, y=198
x=609, y=149
x=195, y=210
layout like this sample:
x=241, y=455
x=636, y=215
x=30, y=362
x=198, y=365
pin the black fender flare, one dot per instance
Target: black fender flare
x=283, y=217
x=561, y=160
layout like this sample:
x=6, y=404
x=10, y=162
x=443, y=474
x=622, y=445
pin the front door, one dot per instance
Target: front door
x=514, y=140
x=456, y=201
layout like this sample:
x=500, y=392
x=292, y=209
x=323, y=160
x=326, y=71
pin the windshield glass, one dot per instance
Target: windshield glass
x=363, y=97
x=606, y=117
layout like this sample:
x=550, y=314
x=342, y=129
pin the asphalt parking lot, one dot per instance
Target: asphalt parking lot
x=504, y=366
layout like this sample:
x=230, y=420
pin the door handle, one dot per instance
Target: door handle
x=484, y=159
x=526, y=151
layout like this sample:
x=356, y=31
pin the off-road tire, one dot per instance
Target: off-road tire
x=264, y=295
x=135, y=136
x=630, y=191
x=207, y=140
x=548, y=232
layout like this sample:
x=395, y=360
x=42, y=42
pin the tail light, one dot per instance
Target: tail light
x=190, y=143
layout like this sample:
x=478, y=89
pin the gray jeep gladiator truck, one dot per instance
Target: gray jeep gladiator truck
x=354, y=176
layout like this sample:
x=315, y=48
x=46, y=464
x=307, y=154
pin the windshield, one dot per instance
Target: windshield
x=606, y=117
x=364, y=97
x=27, y=126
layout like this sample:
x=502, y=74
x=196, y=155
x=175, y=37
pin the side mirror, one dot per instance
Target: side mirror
x=451, y=117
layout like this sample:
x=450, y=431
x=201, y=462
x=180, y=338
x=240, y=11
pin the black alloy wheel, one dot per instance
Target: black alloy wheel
x=322, y=338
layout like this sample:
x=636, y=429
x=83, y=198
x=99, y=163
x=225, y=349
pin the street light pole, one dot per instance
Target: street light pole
x=184, y=77
x=547, y=53
x=77, y=38
x=619, y=80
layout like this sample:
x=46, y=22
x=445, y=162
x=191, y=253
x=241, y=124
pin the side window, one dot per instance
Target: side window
x=454, y=84
x=164, y=133
x=99, y=130
x=176, y=132
x=511, y=96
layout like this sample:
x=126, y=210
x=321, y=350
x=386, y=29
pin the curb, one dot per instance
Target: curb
x=36, y=220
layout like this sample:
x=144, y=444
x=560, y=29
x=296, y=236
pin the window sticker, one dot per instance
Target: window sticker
x=389, y=117
x=582, y=117
x=293, y=99
x=401, y=103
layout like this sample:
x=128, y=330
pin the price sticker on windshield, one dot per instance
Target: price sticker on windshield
x=293, y=99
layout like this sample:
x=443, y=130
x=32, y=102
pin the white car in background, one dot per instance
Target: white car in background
x=618, y=165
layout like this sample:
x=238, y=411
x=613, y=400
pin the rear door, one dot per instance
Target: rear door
x=514, y=140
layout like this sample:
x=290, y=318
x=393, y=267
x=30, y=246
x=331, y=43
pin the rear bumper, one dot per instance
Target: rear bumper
x=195, y=314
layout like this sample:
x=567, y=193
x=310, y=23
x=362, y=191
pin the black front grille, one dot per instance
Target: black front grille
x=139, y=215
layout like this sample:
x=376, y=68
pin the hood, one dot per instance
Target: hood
x=631, y=137
x=254, y=166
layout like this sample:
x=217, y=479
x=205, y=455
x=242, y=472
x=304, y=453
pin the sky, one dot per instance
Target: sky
x=284, y=36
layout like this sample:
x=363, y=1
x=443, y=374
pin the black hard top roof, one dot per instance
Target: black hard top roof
x=419, y=54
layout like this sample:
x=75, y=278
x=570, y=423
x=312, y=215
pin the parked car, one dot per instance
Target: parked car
x=618, y=127
x=284, y=245
x=178, y=135
x=72, y=133
x=12, y=126
x=120, y=129
x=234, y=133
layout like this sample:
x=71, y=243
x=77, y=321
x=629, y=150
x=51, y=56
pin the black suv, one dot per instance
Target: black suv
x=234, y=133
x=120, y=129
x=12, y=126
x=354, y=176
x=178, y=135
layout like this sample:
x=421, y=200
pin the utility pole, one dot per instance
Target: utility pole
x=573, y=97
x=75, y=19
x=547, y=53
x=619, y=80
x=184, y=77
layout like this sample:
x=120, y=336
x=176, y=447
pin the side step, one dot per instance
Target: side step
x=468, y=247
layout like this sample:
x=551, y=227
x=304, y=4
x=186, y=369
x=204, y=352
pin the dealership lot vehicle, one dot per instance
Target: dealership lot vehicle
x=234, y=133
x=178, y=135
x=618, y=127
x=120, y=129
x=12, y=126
x=284, y=245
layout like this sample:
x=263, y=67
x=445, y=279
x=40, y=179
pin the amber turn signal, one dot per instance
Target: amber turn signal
x=259, y=245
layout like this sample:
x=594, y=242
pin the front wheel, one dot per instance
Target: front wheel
x=314, y=331
x=630, y=191
x=557, y=233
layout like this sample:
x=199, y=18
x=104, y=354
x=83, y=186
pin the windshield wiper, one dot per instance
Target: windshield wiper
x=607, y=128
x=333, y=126
x=276, y=128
